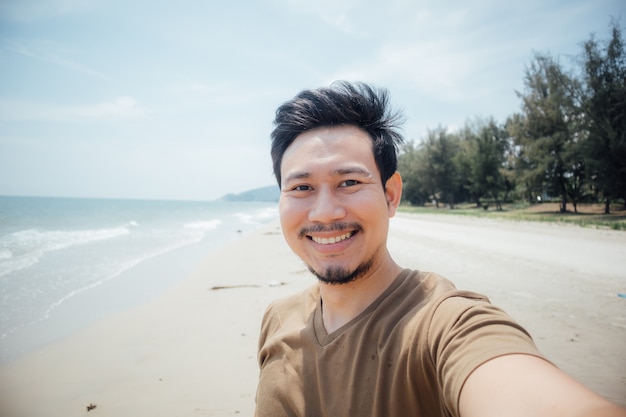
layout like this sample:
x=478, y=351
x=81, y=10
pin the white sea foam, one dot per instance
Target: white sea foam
x=258, y=216
x=22, y=249
x=203, y=225
x=192, y=238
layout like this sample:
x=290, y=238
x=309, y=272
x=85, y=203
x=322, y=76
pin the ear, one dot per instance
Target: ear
x=393, y=193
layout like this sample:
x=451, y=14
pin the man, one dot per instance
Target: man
x=372, y=338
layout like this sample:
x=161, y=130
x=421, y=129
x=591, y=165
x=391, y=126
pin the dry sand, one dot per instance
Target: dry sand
x=192, y=352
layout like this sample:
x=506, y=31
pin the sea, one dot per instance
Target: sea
x=68, y=262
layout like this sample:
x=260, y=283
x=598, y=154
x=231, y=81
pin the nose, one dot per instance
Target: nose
x=327, y=207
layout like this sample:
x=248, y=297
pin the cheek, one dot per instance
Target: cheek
x=290, y=213
x=290, y=224
x=370, y=205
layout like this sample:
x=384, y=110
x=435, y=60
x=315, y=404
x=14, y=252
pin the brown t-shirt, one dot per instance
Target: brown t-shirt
x=407, y=354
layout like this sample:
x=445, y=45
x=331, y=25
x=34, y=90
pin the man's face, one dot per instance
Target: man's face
x=334, y=211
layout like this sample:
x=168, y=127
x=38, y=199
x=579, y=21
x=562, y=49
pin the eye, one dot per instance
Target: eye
x=301, y=188
x=349, y=183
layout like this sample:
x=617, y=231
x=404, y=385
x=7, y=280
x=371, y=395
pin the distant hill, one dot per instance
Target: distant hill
x=271, y=193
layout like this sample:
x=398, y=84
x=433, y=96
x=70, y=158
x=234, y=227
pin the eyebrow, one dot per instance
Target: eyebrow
x=339, y=171
x=351, y=170
x=297, y=176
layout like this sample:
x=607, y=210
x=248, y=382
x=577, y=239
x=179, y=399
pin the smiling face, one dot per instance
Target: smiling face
x=334, y=211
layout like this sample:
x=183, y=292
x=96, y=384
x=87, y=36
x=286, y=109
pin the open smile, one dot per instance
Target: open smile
x=330, y=235
x=333, y=239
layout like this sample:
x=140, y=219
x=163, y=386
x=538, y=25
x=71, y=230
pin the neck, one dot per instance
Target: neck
x=342, y=303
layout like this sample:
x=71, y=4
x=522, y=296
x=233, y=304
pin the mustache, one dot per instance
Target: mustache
x=335, y=227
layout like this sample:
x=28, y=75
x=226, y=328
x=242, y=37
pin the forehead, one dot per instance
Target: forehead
x=331, y=144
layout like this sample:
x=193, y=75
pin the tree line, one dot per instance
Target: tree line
x=567, y=142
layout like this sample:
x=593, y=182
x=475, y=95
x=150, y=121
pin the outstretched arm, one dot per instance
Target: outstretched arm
x=523, y=386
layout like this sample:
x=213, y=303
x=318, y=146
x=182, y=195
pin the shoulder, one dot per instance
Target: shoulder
x=301, y=300
x=413, y=301
x=430, y=291
x=295, y=308
x=428, y=284
x=434, y=308
x=462, y=308
x=284, y=319
x=440, y=300
x=459, y=318
x=465, y=331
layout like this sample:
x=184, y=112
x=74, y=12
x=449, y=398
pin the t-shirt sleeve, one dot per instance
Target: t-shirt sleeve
x=269, y=324
x=465, y=332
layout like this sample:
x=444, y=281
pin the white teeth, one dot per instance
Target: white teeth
x=331, y=240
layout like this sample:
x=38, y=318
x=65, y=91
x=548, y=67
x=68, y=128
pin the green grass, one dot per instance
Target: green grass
x=589, y=215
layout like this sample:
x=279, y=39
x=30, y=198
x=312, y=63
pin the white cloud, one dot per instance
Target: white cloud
x=433, y=68
x=331, y=12
x=121, y=107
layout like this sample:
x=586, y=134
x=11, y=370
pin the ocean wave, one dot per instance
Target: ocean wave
x=191, y=239
x=203, y=225
x=259, y=216
x=22, y=249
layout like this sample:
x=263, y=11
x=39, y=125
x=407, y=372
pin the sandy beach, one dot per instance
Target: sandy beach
x=192, y=351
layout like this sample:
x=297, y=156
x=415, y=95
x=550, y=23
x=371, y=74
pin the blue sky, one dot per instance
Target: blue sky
x=175, y=100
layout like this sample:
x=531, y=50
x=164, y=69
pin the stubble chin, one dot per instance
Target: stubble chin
x=340, y=275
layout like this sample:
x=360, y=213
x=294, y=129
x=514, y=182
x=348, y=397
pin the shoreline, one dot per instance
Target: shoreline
x=132, y=287
x=164, y=357
x=192, y=349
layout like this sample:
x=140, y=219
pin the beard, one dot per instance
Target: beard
x=338, y=275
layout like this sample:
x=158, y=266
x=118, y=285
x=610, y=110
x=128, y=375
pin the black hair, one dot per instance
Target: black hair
x=342, y=103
